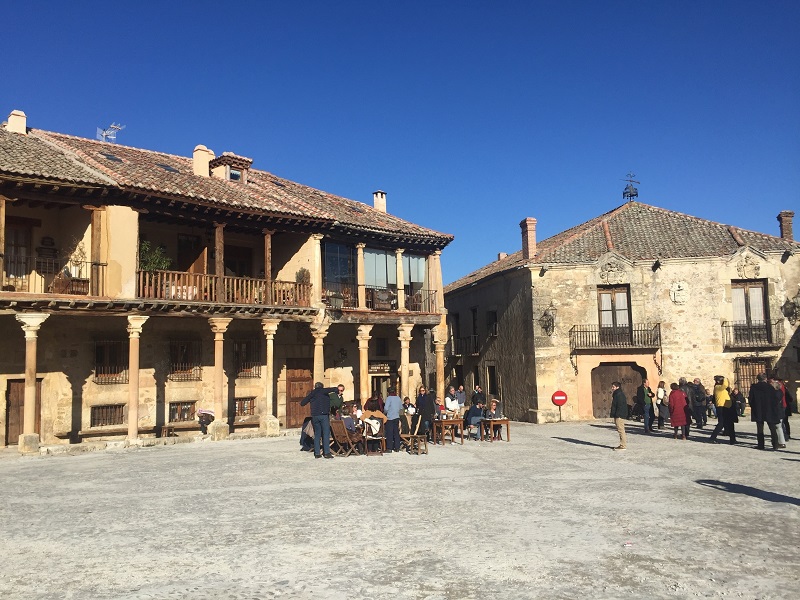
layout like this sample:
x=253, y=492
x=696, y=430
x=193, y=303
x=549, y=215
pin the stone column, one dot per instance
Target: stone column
x=319, y=332
x=29, y=440
x=439, y=350
x=267, y=419
x=219, y=429
x=316, y=271
x=404, y=336
x=363, y=338
x=436, y=283
x=361, y=278
x=135, y=324
x=401, y=286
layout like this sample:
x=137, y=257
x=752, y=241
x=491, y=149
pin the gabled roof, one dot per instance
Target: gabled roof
x=636, y=231
x=55, y=156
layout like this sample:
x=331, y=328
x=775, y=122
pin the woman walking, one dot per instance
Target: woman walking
x=726, y=414
x=677, y=412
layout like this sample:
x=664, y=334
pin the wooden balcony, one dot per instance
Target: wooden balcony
x=381, y=298
x=202, y=287
x=595, y=337
x=741, y=335
x=55, y=276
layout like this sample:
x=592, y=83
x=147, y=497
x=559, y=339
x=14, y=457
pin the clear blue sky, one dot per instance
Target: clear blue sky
x=470, y=115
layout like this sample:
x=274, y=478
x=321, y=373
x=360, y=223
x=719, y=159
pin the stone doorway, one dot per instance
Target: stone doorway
x=629, y=374
x=15, y=409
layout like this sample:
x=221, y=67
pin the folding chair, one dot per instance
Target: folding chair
x=343, y=444
x=378, y=436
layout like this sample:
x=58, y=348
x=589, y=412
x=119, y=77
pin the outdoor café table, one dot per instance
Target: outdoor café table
x=491, y=423
x=441, y=426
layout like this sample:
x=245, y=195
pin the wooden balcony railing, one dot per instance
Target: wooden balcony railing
x=467, y=345
x=348, y=292
x=202, y=287
x=595, y=337
x=421, y=300
x=742, y=335
x=53, y=276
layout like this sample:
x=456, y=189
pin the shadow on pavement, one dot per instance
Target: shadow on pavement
x=736, y=488
x=583, y=442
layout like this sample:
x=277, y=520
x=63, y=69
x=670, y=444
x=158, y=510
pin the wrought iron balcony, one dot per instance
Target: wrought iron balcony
x=595, y=337
x=467, y=345
x=759, y=334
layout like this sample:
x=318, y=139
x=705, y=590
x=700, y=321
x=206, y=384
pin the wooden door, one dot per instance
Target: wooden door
x=15, y=409
x=630, y=375
x=192, y=254
x=299, y=382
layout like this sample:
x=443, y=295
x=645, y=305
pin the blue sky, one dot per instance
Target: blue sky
x=470, y=115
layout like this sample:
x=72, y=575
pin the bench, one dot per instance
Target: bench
x=169, y=429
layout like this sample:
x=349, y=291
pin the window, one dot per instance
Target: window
x=107, y=414
x=749, y=312
x=111, y=157
x=614, y=312
x=17, y=257
x=491, y=380
x=747, y=369
x=339, y=263
x=413, y=272
x=181, y=411
x=235, y=175
x=247, y=357
x=167, y=168
x=491, y=323
x=380, y=346
x=246, y=407
x=380, y=269
x=185, y=360
x=111, y=361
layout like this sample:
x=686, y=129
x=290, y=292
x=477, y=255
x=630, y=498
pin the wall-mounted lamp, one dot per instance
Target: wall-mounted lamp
x=335, y=301
x=548, y=319
x=656, y=265
x=542, y=271
x=791, y=308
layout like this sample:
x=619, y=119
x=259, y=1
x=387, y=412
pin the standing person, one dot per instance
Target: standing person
x=478, y=397
x=781, y=410
x=678, y=412
x=661, y=404
x=699, y=403
x=688, y=390
x=426, y=410
x=619, y=412
x=337, y=399
x=764, y=402
x=726, y=414
x=320, y=401
x=392, y=408
x=461, y=396
x=790, y=409
x=644, y=396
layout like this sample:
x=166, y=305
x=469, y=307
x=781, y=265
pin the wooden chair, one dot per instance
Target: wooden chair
x=412, y=440
x=343, y=444
x=379, y=436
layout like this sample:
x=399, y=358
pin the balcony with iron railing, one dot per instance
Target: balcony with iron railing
x=467, y=345
x=202, y=287
x=379, y=297
x=33, y=275
x=595, y=337
x=742, y=335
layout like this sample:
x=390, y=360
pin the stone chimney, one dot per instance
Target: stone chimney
x=528, y=227
x=379, y=201
x=200, y=160
x=17, y=122
x=785, y=219
x=502, y=255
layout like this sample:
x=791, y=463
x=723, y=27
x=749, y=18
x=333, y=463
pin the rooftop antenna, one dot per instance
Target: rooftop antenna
x=109, y=134
x=630, y=192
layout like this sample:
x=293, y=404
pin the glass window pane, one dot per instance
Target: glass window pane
x=756, y=304
x=739, y=306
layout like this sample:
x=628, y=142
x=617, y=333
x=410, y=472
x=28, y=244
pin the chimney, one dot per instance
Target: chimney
x=379, y=201
x=528, y=227
x=502, y=255
x=200, y=160
x=17, y=122
x=785, y=219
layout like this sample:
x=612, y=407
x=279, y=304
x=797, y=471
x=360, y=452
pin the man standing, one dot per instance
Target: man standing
x=619, y=412
x=320, y=401
x=699, y=403
x=461, y=396
x=337, y=399
x=478, y=396
x=644, y=396
x=763, y=400
x=391, y=408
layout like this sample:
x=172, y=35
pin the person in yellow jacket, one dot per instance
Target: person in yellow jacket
x=726, y=413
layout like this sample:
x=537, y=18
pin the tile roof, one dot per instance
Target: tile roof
x=636, y=231
x=49, y=155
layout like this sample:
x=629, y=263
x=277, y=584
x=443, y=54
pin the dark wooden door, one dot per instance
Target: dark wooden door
x=15, y=409
x=299, y=382
x=630, y=375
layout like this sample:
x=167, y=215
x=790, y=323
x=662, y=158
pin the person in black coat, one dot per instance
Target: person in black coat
x=426, y=410
x=619, y=412
x=320, y=401
x=765, y=405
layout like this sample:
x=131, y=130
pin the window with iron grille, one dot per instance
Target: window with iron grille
x=111, y=361
x=246, y=407
x=747, y=369
x=181, y=411
x=185, y=360
x=247, y=357
x=491, y=322
x=107, y=414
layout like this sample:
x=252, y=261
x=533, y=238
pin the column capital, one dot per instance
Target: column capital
x=320, y=331
x=399, y=251
x=404, y=331
x=219, y=324
x=270, y=327
x=135, y=324
x=361, y=245
x=437, y=252
x=364, y=332
x=317, y=236
x=31, y=322
x=268, y=231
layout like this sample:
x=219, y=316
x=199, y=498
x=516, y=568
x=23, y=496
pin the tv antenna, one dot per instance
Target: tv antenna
x=630, y=192
x=109, y=134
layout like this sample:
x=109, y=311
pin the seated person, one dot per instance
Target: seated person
x=451, y=405
x=408, y=408
x=493, y=412
x=373, y=404
x=474, y=417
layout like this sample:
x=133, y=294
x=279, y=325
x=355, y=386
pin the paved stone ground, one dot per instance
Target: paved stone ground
x=553, y=514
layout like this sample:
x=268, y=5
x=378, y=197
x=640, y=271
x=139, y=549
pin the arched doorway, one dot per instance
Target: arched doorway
x=629, y=374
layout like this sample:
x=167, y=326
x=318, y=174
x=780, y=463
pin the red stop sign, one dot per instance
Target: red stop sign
x=559, y=398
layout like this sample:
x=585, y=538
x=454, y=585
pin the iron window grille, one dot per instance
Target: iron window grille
x=185, y=360
x=181, y=411
x=107, y=414
x=111, y=361
x=247, y=357
x=246, y=407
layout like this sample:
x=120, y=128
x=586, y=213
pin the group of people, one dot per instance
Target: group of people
x=327, y=403
x=769, y=400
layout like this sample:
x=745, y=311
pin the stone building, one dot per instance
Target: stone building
x=139, y=288
x=637, y=292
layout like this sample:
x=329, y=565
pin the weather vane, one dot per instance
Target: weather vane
x=630, y=192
